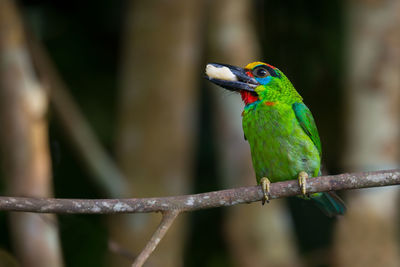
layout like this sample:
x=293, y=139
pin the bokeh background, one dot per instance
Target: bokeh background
x=106, y=99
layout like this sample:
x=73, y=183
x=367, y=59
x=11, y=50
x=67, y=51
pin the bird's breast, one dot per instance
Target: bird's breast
x=280, y=148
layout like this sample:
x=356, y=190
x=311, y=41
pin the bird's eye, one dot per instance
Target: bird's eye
x=260, y=72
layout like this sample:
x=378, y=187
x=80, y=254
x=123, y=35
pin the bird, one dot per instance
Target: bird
x=279, y=127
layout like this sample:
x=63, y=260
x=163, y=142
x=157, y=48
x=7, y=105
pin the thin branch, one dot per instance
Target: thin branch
x=166, y=222
x=215, y=199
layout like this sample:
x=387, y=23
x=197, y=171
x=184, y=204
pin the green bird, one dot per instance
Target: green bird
x=280, y=129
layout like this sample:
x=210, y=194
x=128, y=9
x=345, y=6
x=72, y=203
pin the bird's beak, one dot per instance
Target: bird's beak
x=230, y=77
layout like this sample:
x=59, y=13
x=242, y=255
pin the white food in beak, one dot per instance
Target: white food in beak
x=223, y=73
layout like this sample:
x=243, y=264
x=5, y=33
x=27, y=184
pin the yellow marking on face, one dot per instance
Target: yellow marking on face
x=250, y=66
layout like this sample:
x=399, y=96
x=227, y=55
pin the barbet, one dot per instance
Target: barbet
x=280, y=129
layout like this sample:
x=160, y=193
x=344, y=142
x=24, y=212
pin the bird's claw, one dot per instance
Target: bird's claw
x=265, y=186
x=303, y=182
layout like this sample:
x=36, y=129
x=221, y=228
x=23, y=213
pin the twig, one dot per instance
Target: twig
x=166, y=222
x=215, y=199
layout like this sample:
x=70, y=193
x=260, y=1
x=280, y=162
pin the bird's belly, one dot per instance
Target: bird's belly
x=280, y=148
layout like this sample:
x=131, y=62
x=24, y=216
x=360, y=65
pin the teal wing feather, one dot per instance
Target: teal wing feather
x=306, y=120
x=329, y=203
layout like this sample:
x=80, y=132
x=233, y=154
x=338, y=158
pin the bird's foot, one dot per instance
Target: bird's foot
x=303, y=182
x=265, y=186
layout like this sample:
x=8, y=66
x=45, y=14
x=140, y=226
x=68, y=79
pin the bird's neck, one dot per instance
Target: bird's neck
x=279, y=90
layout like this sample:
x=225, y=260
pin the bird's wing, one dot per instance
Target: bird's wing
x=306, y=120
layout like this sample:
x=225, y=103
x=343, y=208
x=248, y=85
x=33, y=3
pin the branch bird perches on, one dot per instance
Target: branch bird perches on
x=222, y=198
x=172, y=206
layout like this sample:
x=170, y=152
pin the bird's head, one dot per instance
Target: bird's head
x=257, y=81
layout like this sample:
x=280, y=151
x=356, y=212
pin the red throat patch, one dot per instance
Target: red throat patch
x=248, y=97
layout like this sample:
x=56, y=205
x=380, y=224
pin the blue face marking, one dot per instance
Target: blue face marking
x=264, y=81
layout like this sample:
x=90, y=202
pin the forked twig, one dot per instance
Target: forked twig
x=166, y=222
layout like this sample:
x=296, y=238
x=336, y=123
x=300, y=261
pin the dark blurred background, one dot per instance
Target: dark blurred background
x=130, y=115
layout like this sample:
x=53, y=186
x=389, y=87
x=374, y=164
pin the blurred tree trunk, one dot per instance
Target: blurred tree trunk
x=157, y=119
x=265, y=237
x=368, y=234
x=24, y=144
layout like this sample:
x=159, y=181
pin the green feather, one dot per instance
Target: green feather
x=306, y=121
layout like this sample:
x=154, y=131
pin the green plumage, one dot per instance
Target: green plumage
x=283, y=137
x=280, y=148
x=279, y=127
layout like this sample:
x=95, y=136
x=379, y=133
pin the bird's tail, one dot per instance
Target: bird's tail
x=329, y=203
